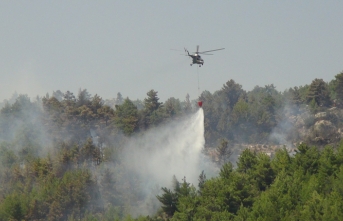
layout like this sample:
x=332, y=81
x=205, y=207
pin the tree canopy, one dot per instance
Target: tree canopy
x=61, y=156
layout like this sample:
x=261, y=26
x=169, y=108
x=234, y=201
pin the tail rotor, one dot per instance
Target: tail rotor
x=186, y=51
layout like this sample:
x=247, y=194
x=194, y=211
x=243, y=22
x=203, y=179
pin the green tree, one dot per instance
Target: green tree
x=226, y=170
x=240, y=112
x=328, y=166
x=89, y=153
x=75, y=191
x=105, y=114
x=126, y=117
x=240, y=121
x=54, y=108
x=169, y=201
x=58, y=95
x=13, y=207
x=7, y=155
x=224, y=151
x=187, y=203
x=22, y=104
x=313, y=208
x=307, y=159
x=295, y=96
x=281, y=161
x=187, y=105
x=83, y=98
x=339, y=89
x=86, y=116
x=318, y=91
x=263, y=173
x=69, y=98
x=280, y=200
x=231, y=92
x=212, y=198
x=108, y=188
x=96, y=103
x=246, y=161
x=202, y=179
x=172, y=107
x=151, y=103
x=119, y=99
x=152, y=113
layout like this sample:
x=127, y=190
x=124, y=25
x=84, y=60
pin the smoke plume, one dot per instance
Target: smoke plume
x=152, y=159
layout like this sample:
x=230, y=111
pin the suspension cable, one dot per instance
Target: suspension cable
x=198, y=80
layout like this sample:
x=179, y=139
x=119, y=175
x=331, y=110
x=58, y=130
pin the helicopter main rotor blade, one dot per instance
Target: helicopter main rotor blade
x=175, y=50
x=211, y=50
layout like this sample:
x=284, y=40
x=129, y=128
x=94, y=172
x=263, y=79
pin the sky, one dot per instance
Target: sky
x=108, y=47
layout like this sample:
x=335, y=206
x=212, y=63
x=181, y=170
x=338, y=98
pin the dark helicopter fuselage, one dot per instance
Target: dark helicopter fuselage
x=197, y=59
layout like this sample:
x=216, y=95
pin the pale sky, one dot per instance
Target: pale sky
x=122, y=46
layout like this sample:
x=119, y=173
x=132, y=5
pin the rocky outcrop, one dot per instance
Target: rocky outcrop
x=324, y=132
x=324, y=128
x=318, y=129
x=320, y=116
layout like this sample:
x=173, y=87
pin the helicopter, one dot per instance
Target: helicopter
x=196, y=56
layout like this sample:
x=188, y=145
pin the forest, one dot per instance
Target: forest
x=61, y=156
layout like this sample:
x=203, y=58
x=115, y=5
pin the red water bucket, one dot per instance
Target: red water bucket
x=200, y=103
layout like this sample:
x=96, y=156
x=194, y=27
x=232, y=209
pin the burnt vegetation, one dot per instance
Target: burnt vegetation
x=59, y=154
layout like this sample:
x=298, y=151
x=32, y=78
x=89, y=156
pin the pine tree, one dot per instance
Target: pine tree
x=151, y=102
x=119, y=99
x=202, y=180
x=126, y=117
x=224, y=151
x=169, y=201
x=172, y=107
x=107, y=188
x=295, y=96
x=188, y=106
x=58, y=95
x=83, y=98
x=339, y=89
x=231, y=92
x=69, y=99
x=152, y=114
x=246, y=161
x=319, y=92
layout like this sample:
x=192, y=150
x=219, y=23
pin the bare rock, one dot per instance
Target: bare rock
x=324, y=128
x=320, y=116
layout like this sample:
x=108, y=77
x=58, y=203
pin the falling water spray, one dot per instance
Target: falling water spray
x=172, y=149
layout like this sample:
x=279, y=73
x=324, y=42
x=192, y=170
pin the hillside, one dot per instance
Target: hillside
x=67, y=157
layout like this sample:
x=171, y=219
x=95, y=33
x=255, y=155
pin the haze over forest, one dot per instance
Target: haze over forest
x=72, y=157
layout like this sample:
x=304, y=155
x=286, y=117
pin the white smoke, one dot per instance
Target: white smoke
x=152, y=159
x=171, y=149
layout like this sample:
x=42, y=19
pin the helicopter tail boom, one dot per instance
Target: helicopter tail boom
x=187, y=51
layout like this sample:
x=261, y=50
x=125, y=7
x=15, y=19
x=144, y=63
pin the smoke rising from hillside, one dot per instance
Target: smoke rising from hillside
x=175, y=148
x=172, y=149
x=142, y=164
